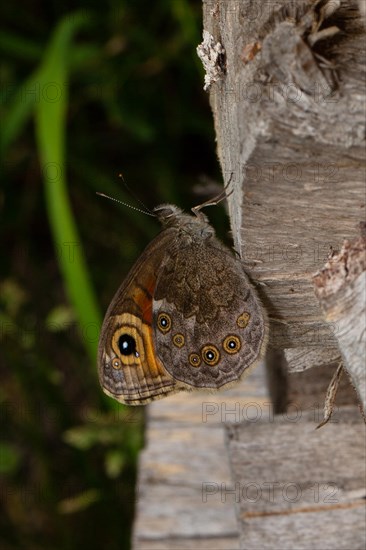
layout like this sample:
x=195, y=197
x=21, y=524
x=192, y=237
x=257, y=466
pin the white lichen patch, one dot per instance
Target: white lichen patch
x=212, y=56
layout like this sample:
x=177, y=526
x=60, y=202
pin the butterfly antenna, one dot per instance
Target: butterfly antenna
x=137, y=199
x=147, y=212
x=215, y=200
x=212, y=202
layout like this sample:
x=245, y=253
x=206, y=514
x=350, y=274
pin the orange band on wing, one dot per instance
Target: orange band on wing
x=143, y=297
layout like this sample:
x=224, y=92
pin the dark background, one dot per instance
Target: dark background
x=88, y=91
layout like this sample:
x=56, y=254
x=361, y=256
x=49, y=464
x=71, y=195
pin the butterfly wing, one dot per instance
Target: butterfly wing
x=129, y=369
x=209, y=325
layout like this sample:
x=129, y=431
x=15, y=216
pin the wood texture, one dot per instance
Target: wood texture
x=185, y=461
x=340, y=287
x=294, y=150
x=288, y=107
x=300, y=359
x=298, y=485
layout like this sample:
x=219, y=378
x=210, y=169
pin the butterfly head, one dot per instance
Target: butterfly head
x=170, y=215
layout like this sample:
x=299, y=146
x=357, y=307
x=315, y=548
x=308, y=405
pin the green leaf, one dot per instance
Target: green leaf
x=114, y=463
x=60, y=318
x=78, y=502
x=13, y=296
x=9, y=458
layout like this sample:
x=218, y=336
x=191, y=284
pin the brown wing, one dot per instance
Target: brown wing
x=209, y=324
x=129, y=369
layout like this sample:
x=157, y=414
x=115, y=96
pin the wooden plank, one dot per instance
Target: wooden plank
x=307, y=391
x=184, y=461
x=183, y=512
x=218, y=543
x=336, y=529
x=293, y=152
x=174, y=470
x=213, y=409
x=300, y=359
x=298, y=485
x=183, y=456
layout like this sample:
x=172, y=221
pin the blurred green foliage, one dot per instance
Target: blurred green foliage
x=87, y=91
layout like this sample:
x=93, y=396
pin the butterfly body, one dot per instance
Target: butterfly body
x=186, y=317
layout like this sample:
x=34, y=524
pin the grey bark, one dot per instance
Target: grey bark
x=287, y=90
x=340, y=288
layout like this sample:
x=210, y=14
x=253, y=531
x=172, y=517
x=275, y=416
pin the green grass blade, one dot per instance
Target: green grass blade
x=51, y=113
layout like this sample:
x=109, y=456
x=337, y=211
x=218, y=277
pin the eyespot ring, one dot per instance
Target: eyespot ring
x=243, y=319
x=194, y=359
x=116, y=363
x=128, y=344
x=179, y=340
x=231, y=344
x=164, y=323
x=210, y=355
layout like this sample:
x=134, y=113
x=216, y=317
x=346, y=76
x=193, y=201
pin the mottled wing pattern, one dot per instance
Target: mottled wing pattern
x=209, y=325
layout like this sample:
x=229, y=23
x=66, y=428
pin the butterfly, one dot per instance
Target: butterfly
x=186, y=317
